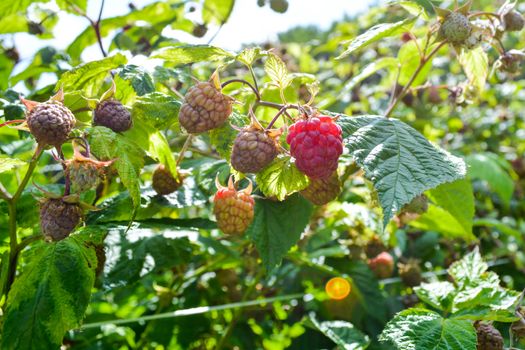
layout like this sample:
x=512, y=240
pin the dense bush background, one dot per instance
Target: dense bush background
x=142, y=256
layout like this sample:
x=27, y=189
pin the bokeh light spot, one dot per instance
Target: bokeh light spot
x=337, y=288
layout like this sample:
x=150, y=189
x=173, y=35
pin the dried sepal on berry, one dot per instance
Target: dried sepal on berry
x=85, y=172
x=254, y=147
x=49, y=122
x=233, y=209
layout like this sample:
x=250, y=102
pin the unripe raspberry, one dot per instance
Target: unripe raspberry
x=205, y=108
x=514, y=21
x=84, y=172
x=382, y=265
x=113, y=115
x=164, y=182
x=58, y=218
x=279, y=6
x=489, y=338
x=233, y=209
x=456, y=28
x=253, y=150
x=410, y=273
x=322, y=191
x=316, y=144
x=50, y=123
x=374, y=247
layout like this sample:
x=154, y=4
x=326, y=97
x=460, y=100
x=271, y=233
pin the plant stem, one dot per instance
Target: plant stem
x=254, y=89
x=237, y=312
x=423, y=62
x=13, y=241
x=187, y=144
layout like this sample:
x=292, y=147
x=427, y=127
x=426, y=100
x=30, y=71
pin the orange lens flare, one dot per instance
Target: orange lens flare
x=337, y=288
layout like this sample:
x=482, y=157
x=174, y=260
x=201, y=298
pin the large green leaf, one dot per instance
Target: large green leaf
x=89, y=77
x=344, y=334
x=146, y=248
x=452, y=212
x=8, y=7
x=468, y=269
x=107, y=145
x=141, y=80
x=7, y=164
x=156, y=109
x=399, y=161
x=415, y=329
x=217, y=11
x=281, y=178
x=490, y=168
x=277, y=226
x=51, y=295
x=184, y=54
x=376, y=33
x=476, y=66
x=439, y=295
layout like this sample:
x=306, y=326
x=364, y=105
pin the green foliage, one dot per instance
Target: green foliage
x=400, y=162
x=277, y=226
x=52, y=293
x=281, y=178
x=344, y=334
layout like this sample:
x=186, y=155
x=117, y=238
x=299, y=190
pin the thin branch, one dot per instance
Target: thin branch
x=187, y=144
x=254, y=89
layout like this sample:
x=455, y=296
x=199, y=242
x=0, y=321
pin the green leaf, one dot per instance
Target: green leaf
x=7, y=164
x=376, y=33
x=468, y=269
x=66, y=5
x=369, y=70
x=150, y=250
x=107, y=145
x=281, y=178
x=413, y=8
x=8, y=7
x=490, y=168
x=141, y=81
x=13, y=23
x=410, y=58
x=156, y=109
x=51, y=295
x=277, y=71
x=89, y=77
x=158, y=13
x=439, y=295
x=160, y=151
x=222, y=138
x=475, y=63
x=415, y=329
x=184, y=54
x=342, y=333
x=440, y=220
x=277, y=226
x=249, y=55
x=457, y=198
x=217, y=11
x=399, y=161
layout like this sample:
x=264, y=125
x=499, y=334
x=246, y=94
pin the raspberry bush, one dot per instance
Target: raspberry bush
x=384, y=154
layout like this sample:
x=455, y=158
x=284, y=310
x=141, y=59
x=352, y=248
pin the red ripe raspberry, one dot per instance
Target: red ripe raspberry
x=233, y=209
x=323, y=191
x=316, y=144
x=382, y=265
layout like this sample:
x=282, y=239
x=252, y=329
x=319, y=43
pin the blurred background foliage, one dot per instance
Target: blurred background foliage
x=173, y=258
